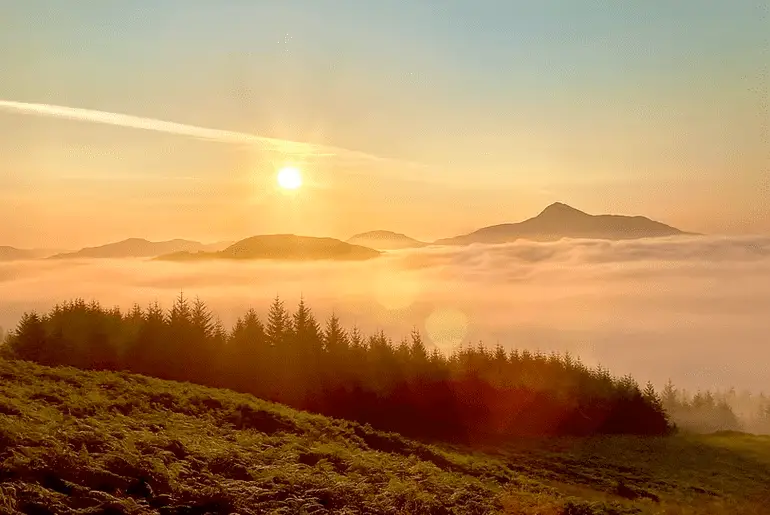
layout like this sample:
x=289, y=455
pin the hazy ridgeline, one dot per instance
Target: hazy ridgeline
x=474, y=394
x=706, y=412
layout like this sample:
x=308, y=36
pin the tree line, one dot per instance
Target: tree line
x=707, y=411
x=473, y=394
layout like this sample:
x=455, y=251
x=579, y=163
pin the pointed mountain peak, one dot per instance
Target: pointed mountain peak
x=561, y=209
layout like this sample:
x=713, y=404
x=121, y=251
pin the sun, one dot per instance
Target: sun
x=289, y=178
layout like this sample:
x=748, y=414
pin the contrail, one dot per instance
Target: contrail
x=286, y=147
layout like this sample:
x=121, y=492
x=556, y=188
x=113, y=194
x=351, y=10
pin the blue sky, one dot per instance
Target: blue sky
x=561, y=100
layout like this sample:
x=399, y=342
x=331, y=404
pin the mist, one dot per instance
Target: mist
x=692, y=309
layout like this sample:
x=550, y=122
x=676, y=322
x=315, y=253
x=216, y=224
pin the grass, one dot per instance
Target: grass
x=98, y=442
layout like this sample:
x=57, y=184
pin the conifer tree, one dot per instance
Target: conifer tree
x=202, y=319
x=356, y=338
x=669, y=395
x=337, y=364
x=29, y=340
x=278, y=325
x=184, y=364
x=250, y=363
x=652, y=397
x=306, y=330
x=417, y=350
x=147, y=353
x=305, y=352
x=334, y=336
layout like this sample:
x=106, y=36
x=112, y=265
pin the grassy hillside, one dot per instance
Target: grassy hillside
x=473, y=395
x=104, y=442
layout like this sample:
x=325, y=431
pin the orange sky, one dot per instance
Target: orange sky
x=629, y=110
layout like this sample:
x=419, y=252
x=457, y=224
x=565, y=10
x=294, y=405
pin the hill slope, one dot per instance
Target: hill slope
x=385, y=240
x=284, y=247
x=100, y=442
x=562, y=221
x=138, y=247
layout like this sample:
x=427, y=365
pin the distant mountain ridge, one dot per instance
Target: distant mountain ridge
x=562, y=221
x=13, y=254
x=385, y=240
x=556, y=221
x=139, y=247
x=283, y=247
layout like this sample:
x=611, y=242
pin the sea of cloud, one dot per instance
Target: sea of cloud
x=693, y=309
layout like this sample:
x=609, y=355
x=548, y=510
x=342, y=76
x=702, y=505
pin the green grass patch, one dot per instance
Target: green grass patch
x=102, y=442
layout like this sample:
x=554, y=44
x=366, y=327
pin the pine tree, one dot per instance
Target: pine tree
x=136, y=313
x=652, y=398
x=28, y=342
x=356, y=338
x=669, y=396
x=216, y=369
x=649, y=391
x=248, y=358
x=306, y=353
x=306, y=330
x=334, y=337
x=403, y=352
x=417, y=350
x=180, y=313
x=500, y=354
x=147, y=352
x=99, y=351
x=184, y=364
x=202, y=319
x=199, y=347
x=278, y=325
x=358, y=365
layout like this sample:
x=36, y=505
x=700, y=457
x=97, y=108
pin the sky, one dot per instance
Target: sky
x=428, y=118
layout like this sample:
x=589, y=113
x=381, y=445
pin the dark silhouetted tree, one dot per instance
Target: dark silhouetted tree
x=278, y=323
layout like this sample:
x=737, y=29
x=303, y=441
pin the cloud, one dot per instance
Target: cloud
x=695, y=309
x=287, y=148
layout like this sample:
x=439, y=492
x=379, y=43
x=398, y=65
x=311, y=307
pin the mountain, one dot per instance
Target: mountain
x=562, y=221
x=13, y=254
x=385, y=240
x=137, y=247
x=282, y=246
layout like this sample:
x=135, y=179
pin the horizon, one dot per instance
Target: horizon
x=345, y=238
x=116, y=116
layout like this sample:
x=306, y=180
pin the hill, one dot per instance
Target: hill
x=138, y=247
x=283, y=247
x=14, y=254
x=562, y=221
x=473, y=395
x=385, y=240
x=105, y=442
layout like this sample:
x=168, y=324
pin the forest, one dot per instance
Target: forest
x=475, y=394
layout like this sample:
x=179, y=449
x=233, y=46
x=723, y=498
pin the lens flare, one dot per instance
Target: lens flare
x=447, y=328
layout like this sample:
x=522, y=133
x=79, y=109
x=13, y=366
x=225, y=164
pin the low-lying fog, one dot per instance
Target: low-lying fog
x=696, y=309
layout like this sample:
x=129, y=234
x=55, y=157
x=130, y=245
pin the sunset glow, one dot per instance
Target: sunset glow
x=376, y=257
x=289, y=178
